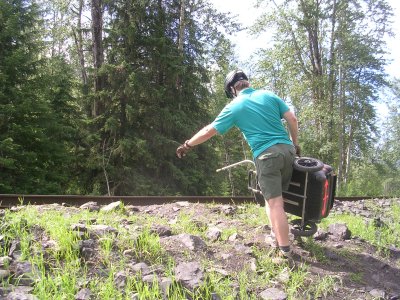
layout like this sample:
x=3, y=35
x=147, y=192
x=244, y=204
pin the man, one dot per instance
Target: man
x=258, y=114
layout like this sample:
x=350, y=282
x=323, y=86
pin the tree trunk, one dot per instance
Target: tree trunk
x=181, y=26
x=332, y=75
x=341, y=128
x=181, y=39
x=79, y=46
x=98, y=53
x=348, y=156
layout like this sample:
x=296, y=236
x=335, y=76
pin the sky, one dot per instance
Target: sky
x=246, y=14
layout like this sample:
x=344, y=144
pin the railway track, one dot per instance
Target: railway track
x=10, y=200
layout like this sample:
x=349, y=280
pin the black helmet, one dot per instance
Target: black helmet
x=231, y=79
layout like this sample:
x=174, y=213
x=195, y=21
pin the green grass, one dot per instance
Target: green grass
x=381, y=237
x=61, y=271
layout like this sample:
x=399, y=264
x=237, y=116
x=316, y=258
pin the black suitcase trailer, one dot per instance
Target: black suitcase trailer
x=310, y=195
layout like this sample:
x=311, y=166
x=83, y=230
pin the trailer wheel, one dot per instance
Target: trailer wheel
x=308, y=164
x=308, y=229
x=259, y=198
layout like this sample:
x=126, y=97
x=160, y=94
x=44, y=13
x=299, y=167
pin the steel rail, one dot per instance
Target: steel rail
x=10, y=200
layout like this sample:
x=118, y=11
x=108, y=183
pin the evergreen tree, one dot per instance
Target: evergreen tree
x=33, y=157
x=155, y=94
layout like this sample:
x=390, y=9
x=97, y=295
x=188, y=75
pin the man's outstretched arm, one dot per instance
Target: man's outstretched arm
x=201, y=136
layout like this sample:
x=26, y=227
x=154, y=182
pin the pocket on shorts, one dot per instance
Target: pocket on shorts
x=270, y=155
x=292, y=150
x=270, y=161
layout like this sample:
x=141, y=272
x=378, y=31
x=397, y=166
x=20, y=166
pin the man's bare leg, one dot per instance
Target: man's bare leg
x=279, y=223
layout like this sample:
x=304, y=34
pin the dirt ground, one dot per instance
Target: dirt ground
x=363, y=272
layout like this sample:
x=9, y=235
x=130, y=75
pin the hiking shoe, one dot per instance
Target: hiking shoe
x=286, y=254
x=284, y=257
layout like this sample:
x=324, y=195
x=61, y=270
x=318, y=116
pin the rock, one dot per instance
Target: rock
x=20, y=296
x=4, y=274
x=215, y=296
x=339, y=231
x=23, y=289
x=214, y=234
x=191, y=242
x=150, y=279
x=377, y=294
x=189, y=274
x=252, y=263
x=331, y=255
x=111, y=206
x=243, y=249
x=284, y=275
x=101, y=230
x=273, y=294
x=394, y=251
x=5, y=261
x=25, y=273
x=165, y=285
x=79, y=227
x=183, y=203
x=120, y=280
x=91, y=206
x=222, y=272
x=83, y=294
x=234, y=236
x=134, y=296
x=161, y=230
x=87, y=248
x=320, y=235
x=141, y=268
x=228, y=210
x=15, y=247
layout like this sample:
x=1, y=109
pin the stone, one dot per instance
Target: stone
x=4, y=274
x=339, y=231
x=91, y=206
x=5, y=261
x=111, y=206
x=150, y=279
x=320, y=235
x=161, y=230
x=120, y=280
x=83, y=294
x=377, y=294
x=25, y=273
x=191, y=242
x=101, y=230
x=141, y=268
x=213, y=234
x=273, y=294
x=189, y=274
x=20, y=296
x=165, y=285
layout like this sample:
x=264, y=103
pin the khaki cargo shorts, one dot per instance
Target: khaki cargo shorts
x=274, y=169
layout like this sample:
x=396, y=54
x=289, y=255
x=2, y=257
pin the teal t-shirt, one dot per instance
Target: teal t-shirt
x=258, y=114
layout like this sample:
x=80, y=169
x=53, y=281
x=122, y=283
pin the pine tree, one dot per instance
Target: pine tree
x=33, y=154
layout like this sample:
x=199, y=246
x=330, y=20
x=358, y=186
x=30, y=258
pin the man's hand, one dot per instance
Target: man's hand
x=183, y=149
x=298, y=149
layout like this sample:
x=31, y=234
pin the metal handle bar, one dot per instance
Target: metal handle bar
x=236, y=164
